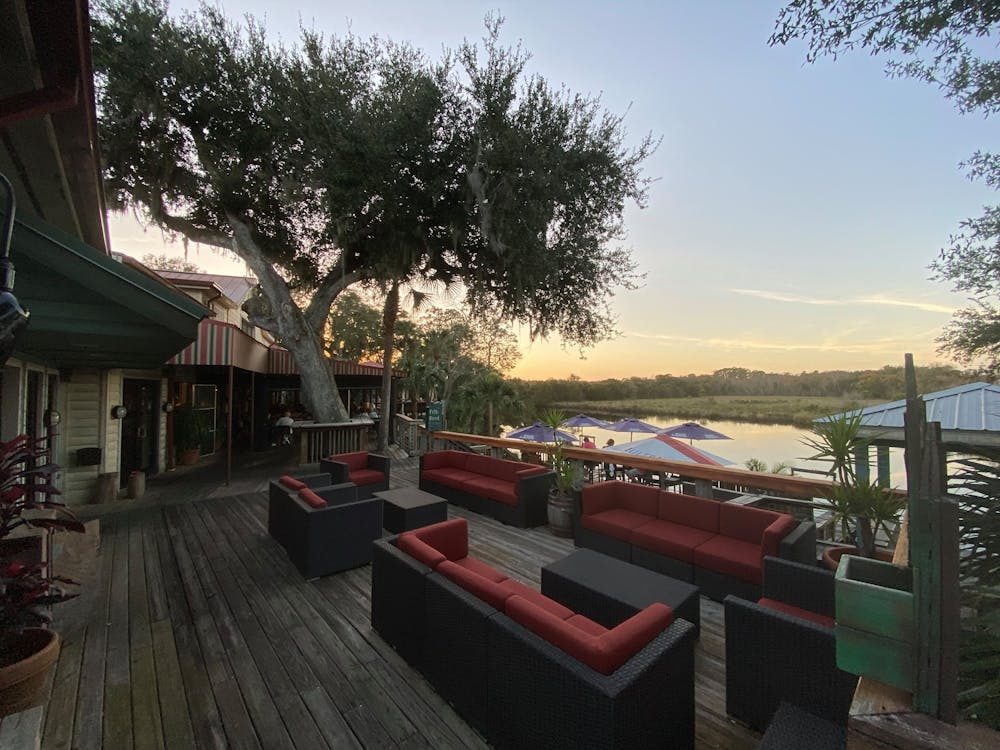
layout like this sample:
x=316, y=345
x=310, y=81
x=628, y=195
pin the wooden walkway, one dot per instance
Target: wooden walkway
x=199, y=633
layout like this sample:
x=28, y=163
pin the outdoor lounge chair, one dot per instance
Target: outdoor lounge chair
x=369, y=471
x=782, y=648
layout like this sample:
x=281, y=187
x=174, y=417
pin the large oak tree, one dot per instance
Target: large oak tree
x=342, y=160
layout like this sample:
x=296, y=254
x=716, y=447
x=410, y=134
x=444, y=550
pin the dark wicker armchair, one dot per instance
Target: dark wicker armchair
x=369, y=471
x=782, y=648
x=328, y=539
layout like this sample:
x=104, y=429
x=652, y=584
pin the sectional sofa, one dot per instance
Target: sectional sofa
x=509, y=491
x=718, y=546
x=521, y=667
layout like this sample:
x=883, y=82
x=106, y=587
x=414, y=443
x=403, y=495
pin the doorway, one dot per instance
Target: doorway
x=139, y=427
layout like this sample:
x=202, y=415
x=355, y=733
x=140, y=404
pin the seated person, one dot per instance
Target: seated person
x=283, y=428
x=610, y=469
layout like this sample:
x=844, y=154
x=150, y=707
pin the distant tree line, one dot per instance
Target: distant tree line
x=886, y=384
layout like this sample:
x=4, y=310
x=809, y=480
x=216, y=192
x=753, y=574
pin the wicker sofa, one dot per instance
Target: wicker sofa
x=369, y=471
x=520, y=667
x=324, y=528
x=509, y=491
x=782, y=648
x=720, y=547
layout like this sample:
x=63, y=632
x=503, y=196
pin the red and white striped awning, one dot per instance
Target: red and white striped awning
x=281, y=362
x=220, y=343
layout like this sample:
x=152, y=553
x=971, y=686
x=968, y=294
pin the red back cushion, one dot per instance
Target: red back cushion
x=745, y=523
x=688, y=510
x=603, y=653
x=493, y=467
x=805, y=614
x=418, y=549
x=356, y=460
x=441, y=459
x=450, y=538
x=638, y=498
x=599, y=497
x=778, y=530
x=291, y=483
x=310, y=497
x=489, y=591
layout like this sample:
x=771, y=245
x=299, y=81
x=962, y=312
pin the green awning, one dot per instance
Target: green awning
x=89, y=310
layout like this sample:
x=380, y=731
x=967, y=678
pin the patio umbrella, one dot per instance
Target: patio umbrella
x=694, y=431
x=583, y=420
x=541, y=433
x=671, y=449
x=631, y=425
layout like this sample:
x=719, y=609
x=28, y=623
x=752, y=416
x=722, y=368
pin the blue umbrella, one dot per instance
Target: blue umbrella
x=631, y=425
x=583, y=420
x=694, y=431
x=541, y=433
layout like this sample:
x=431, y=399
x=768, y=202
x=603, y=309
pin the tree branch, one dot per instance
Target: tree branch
x=332, y=285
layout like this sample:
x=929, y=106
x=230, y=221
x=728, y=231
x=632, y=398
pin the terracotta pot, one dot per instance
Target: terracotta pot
x=189, y=456
x=27, y=658
x=832, y=555
x=561, y=515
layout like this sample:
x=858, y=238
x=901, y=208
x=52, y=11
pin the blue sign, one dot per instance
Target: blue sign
x=434, y=416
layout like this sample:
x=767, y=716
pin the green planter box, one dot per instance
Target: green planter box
x=875, y=628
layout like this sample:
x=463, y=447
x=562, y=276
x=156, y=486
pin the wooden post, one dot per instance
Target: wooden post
x=884, y=471
x=229, y=431
x=862, y=465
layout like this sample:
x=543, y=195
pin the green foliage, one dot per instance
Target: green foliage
x=836, y=441
x=755, y=464
x=354, y=328
x=189, y=429
x=779, y=467
x=165, y=262
x=952, y=46
x=975, y=484
x=567, y=475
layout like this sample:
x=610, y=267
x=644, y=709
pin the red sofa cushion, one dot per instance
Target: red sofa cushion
x=670, y=539
x=418, y=549
x=480, y=568
x=365, y=476
x=310, y=497
x=445, y=459
x=355, y=460
x=745, y=523
x=616, y=522
x=586, y=625
x=489, y=591
x=497, y=468
x=291, y=483
x=790, y=609
x=731, y=557
x=773, y=534
x=449, y=477
x=493, y=489
x=687, y=510
x=638, y=498
x=551, y=606
x=603, y=653
x=450, y=538
x=598, y=497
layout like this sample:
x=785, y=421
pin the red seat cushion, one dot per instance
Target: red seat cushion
x=537, y=599
x=418, y=549
x=310, y=497
x=731, y=557
x=489, y=591
x=586, y=625
x=603, y=653
x=450, y=538
x=480, y=568
x=365, y=476
x=492, y=489
x=355, y=460
x=449, y=477
x=687, y=510
x=670, y=539
x=790, y=609
x=616, y=522
x=291, y=483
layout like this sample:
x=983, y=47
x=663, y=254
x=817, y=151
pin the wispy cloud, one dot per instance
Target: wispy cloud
x=873, y=346
x=848, y=301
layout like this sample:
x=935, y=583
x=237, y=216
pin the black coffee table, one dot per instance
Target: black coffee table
x=410, y=508
x=610, y=591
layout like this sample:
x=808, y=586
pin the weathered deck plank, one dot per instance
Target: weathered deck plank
x=204, y=635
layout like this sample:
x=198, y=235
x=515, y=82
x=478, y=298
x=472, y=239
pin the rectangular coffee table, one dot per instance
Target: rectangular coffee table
x=609, y=591
x=410, y=508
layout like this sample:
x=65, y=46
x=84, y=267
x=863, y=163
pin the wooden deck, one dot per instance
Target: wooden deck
x=198, y=632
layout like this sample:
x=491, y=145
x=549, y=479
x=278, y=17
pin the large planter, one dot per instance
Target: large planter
x=561, y=515
x=26, y=659
x=875, y=627
x=832, y=555
x=189, y=456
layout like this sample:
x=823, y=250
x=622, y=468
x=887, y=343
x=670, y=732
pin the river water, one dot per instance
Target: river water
x=769, y=443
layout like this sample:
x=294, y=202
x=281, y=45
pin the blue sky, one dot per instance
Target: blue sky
x=795, y=209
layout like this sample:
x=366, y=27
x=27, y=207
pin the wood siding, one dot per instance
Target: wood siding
x=82, y=429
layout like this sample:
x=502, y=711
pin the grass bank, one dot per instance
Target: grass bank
x=794, y=410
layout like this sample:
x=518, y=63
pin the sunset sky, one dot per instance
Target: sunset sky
x=796, y=207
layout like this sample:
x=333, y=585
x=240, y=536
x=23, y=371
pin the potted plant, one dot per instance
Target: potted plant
x=567, y=480
x=189, y=433
x=28, y=650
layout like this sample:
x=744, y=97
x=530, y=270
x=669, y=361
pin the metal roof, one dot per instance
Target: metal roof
x=235, y=288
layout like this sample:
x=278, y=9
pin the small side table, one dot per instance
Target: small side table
x=410, y=508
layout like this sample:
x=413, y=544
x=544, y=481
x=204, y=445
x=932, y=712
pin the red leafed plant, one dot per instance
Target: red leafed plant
x=27, y=498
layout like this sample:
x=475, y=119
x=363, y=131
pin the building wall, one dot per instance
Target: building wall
x=83, y=422
x=112, y=396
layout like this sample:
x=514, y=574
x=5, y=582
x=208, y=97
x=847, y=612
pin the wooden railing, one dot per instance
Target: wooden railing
x=319, y=440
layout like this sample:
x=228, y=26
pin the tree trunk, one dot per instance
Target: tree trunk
x=389, y=314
